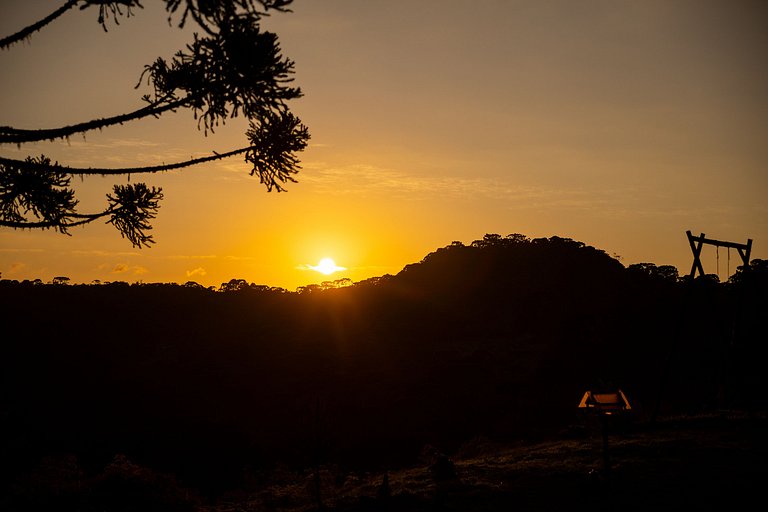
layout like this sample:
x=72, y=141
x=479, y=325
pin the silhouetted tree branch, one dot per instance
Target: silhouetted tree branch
x=273, y=141
x=105, y=171
x=28, y=31
x=209, y=13
x=206, y=14
x=234, y=69
x=10, y=135
x=41, y=192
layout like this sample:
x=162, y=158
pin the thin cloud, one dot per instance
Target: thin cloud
x=199, y=271
x=192, y=257
x=122, y=152
x=123, y=268
x=242, y=258
x=368, y=179
x=211, y=257
x=121, y=254
x=361, y=178
x=114, y=143
x=5, y=250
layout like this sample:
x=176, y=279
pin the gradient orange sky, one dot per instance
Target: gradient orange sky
x=621, y=124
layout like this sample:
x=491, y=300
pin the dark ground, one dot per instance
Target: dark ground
x=715, y=462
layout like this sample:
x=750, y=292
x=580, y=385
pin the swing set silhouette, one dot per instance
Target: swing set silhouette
x=698, y=242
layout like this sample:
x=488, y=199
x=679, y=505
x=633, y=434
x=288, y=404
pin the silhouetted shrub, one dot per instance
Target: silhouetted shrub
x=440, y=466
x=126, y=486
x=56, y=483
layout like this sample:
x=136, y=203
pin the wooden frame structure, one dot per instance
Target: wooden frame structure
x=605, y=403
x=697, y=243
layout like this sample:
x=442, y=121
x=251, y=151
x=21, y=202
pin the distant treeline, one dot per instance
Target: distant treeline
x=499, y=338
x=233, y=285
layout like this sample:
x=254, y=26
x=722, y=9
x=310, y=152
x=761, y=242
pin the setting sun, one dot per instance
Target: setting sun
x=327, y=266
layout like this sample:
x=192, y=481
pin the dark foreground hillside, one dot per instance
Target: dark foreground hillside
x=707, y=463
x=206, y=392
x=712, y=463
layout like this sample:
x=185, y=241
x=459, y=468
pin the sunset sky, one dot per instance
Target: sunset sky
x=620, y=124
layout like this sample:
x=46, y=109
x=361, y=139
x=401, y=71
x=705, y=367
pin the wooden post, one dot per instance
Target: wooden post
x=696, y=253
x=606, y=457
x=745, y=252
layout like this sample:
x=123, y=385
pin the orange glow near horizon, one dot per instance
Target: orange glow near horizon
x=619, y=126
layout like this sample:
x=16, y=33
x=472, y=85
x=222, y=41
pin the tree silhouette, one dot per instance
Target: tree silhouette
x=234, y=285
x=231, y=68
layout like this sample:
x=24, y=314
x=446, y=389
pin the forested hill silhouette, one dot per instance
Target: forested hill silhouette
x=498, y=338
x=507, y=274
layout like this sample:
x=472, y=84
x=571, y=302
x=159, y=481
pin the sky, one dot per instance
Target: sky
x=620, y=124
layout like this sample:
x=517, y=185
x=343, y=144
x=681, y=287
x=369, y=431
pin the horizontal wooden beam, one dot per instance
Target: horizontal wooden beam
x=720, y=243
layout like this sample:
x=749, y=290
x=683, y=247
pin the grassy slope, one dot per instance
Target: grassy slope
x=706, y=463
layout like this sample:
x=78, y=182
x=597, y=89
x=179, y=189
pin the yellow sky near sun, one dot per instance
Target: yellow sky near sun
x=620, y=124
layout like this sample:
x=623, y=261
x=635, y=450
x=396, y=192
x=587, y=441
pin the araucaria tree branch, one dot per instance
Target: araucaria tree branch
x=235, y=68
x=26, y=32
x=10, y=135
